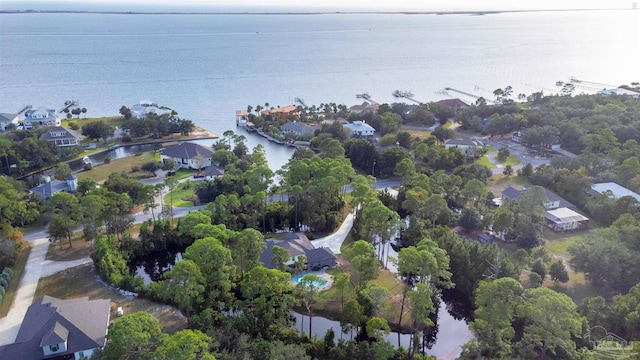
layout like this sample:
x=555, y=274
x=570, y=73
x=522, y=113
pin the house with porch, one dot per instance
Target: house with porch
x=41, y=117
x=52, y=187
x=554, y=200
x=564, y=220
x=187, y=155
x=61, y=136
x=60, y=329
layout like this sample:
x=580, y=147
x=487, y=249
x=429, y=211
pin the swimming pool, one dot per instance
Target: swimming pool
x=328, y=281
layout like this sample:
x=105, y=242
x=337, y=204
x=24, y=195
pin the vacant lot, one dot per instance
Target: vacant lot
x=83, y=281
x=102, y=172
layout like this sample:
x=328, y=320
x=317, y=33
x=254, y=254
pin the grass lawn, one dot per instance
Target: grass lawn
x=484, y=160
x=420, y=134
x=180, y=194
x=18, y=270
x=83, y=281
x=80, y=249
x=111, y=120
x=511, y=160
x=102, y=172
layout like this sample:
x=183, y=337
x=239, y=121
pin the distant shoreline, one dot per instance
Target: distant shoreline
x=490, y=12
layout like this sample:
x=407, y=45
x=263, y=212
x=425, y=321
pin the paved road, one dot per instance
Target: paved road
x=335, y=240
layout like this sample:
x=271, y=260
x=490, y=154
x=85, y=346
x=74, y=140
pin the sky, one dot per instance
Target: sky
x=315, y=5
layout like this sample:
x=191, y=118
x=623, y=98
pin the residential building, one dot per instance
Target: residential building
x=613, y=190
x=554, y=201
x=359, y=129
x=281, y=113
x=188, y=155
x=340, y=120
x=620, y=91
x=213, y=171
x=300, y=129
x=61, y=136
x=298, y=244
x=364, y=107
x=41, y=117
x=466, y=146
x=60, y=329
x=455, y=104
x=241, y=117
x=51, y=187
x=6, y=119
x=564, y=219
x=146, y=107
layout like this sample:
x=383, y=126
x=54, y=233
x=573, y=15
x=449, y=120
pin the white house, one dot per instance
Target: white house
x=466, y=146
x=6, y=119
x=620, y=91
x=188, y=155
x=41, y=117
x=360, y=128
x=146, y=107
x=60, y=329
x=61, y=136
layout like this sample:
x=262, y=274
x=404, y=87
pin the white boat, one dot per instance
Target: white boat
x=86, y=160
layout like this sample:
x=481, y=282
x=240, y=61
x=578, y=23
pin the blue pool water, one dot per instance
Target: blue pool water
x=326, y=285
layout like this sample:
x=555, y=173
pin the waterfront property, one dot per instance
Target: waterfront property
x=61, y=137
x=360, y=129
x=455, y=104
x=60, y=329
x=299, y=129
x=41, y=117
x=281, y=113
x=146, y=107
x=298, y=244
x=51, y=187
x=364, y=107
x=7, y=118
x=188, y=155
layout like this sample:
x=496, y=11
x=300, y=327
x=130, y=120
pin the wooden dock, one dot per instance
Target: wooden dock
x=367, y=97
x=67, y=105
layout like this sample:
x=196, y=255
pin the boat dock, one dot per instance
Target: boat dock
x=469, y=95
x=367, y=97
x=67, y=105
x=405, y=94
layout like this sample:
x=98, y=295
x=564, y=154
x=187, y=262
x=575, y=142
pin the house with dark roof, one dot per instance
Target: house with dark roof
x=213, y=171
x=61, y=137
x=455, y=104
x=188, y=155
x=60, y=329
x=299, y=129
x=298, y=244
x=7, y=119
x=51, y=187
x=555, y=201
x=41, y=117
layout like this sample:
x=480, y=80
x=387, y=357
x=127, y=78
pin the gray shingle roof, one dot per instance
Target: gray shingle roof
x=297, y=244
x=213, y=170
x=513, y=194
x=47, y=190
x=82, y=322
x=187, y=150
x=299, y=128
x=7, y=117
x=69, y=134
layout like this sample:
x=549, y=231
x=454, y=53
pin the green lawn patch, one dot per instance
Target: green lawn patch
x=181, y=195
x=83, y=281
x=484, y=160
x=101, y=172
x=510, y=160
x=111, y=120
x=18, y=271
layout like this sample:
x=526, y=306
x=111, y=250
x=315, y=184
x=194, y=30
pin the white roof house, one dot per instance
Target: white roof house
x=620, y=91
x=615, y=191
x=360, y=128
x=41, y=117
x=146, y=107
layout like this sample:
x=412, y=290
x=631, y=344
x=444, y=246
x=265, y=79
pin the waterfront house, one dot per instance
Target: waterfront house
x=340, y=120
x=146, y=107
x=613, y=190
x=61, y=137
x=359, y=129
x=563, y=220
x=51, y=187
x=299, y=129
x=188, y=155
x=61, y=329
x=455, y=104
x=242, y=117
x=554, y=201
x=298, y=244
x=620, y=91
x=281, y=113
x=7, y=119
x=40, y=117
x=364, y=107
